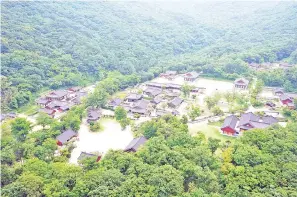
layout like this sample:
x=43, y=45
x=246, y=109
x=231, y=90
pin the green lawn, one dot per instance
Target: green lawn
x=120, y=95
x=29, y=109
x=208, y=131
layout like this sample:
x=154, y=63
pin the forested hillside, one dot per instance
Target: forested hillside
x=53, y=45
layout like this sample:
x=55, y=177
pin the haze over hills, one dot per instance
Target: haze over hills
x=53, y=45
x=161, y=99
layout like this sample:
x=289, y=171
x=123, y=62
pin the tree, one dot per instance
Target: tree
x=44, y=120
x=210, y=102
x=120, y=113
x=184, y=119
x=186, y=89
x=98, y=98
x=95, y=126
x=216, y=110
x=33, y=184
x=194, y=112
x=124, y=123
x=14, y=189
x=20, y=127
x=56, y=188
x=213, y=144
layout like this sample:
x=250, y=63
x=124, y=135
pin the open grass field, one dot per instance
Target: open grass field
x=208, y=131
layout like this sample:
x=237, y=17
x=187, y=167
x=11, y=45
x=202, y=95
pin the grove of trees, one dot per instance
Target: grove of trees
x=52, y=45
x=171, y=163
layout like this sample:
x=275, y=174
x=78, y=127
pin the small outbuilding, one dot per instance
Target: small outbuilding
x=241, y=83
x=286, y=99
x=135, y=144
x=169, y=74
x=74, y=89
x=134, y=97
x=175, y=102
x=57, y=95
x=278, y=91
x=84, y=155
x=191, y=76
x=140, y=107
x=114, y=102
x=42, y=102
x=50, y=112
x=94, y=115
x=66, y=136
x=152, y=92
x=270, y=104
x=229, y=126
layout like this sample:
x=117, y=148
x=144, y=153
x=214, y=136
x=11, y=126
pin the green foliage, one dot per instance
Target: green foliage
x=216, y=110
x=43, y=120
x=53, y=45
x=211, y=101
x=73, y=118
x=194, y=112
x=181, y=39
x=170, y=163
x=97, y=99
x=124, y=123
x=20, y=127
x=95, y=126
x=120, y=113
x=186, y=89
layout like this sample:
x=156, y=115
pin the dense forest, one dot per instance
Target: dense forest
x=171, y=163
x=48, y=45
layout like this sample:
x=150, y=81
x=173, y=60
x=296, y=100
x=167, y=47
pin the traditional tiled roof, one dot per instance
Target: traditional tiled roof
x=247, y=117
x=57, y=94
x=259, y=125
x=115, y=102
x=192, y=74
x=141, y=104
x=75, y=89
x=278, y=90
x=230, y=121
x=153, y=91
x=84, y=155
x=269, y=120
x=284, y=97
x=241, y=81
x=173, y=86
x=176, y=101
x=94, y=114
x=134, y=96
x=60, y=104
x=66, y=135
x=157, y=100
x=47, y=111
x=255, y=121
x=42, y=101
x=135, y=144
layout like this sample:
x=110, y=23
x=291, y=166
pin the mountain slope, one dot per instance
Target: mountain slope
x=52, y=45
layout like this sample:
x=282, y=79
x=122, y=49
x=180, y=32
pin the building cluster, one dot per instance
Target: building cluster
x=287, y=99
x=60, y=100
x=189, y=76
x=152, y=100
x=268, y=65
x=233, y=125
